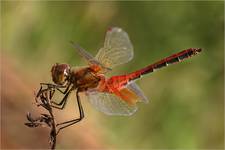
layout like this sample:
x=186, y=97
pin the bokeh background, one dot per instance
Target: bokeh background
x=186, y=108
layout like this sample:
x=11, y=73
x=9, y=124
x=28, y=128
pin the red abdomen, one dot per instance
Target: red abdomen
x=120, y=81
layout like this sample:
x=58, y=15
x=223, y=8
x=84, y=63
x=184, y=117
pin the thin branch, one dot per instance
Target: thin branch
x=43, y=99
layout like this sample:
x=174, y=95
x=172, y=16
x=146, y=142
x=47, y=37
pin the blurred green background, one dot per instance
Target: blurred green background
x=186, y=108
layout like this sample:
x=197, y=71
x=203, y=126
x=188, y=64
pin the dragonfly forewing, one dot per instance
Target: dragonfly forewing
x=117, y=48
x=88, y=57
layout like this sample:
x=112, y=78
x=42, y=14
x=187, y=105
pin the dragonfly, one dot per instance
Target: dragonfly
x=116, y=95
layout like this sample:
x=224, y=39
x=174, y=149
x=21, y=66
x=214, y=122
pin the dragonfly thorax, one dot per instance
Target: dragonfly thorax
x=60, y=73
x=84, y=78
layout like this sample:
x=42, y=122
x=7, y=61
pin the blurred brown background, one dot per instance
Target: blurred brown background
x=186, y=108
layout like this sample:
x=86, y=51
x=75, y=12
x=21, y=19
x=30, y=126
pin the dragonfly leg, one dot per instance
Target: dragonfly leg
x=74, y=121
x=64, y=92
x=63, y=102
x=51, y=88
x=57, y=87
x=42, y=90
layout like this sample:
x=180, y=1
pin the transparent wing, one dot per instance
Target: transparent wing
x=135, y=88
x=110, y=104
x=88, y=57
x=117, y=48
x=82, y=52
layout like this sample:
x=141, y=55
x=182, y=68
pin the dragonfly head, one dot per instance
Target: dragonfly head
x=60, y=73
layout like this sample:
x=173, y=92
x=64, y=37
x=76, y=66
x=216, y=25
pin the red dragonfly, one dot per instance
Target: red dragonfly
x=116, y=95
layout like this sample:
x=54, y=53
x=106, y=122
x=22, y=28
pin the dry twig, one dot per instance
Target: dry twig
x=43, y=99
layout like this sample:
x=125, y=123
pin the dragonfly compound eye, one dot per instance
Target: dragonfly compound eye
x=60, y=73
